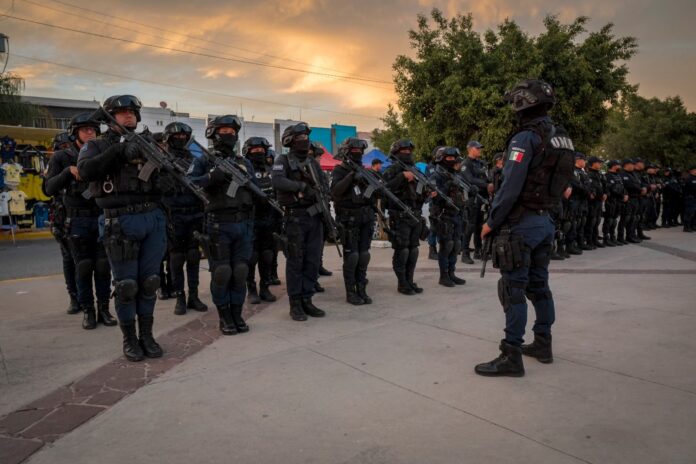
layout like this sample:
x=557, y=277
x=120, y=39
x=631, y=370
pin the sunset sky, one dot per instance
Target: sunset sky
x=330, y=38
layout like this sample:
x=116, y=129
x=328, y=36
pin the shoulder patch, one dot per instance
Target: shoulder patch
x=278, y=167
x=516, y=155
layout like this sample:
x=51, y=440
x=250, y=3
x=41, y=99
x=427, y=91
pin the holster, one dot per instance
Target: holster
x=510, y=252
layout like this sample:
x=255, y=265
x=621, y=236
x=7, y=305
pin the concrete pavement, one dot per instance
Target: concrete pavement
x=393, y=382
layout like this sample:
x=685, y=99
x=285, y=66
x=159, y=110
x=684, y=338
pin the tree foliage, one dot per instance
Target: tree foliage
x=451, y=90
x=393, y=130
x=661, y=131
x=13, y=111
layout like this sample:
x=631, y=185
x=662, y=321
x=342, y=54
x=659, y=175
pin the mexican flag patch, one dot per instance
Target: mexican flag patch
x=516, y=155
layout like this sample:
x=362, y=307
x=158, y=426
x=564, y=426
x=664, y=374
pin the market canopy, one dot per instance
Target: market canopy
x=328, y=162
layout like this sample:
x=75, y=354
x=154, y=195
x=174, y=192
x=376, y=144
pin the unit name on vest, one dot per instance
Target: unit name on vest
x=562, y=142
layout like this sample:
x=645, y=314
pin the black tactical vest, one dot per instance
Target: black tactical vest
x=550, y=170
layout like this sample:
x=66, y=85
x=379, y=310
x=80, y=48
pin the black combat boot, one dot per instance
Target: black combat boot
x=415, y=287
x=598, y=243
x=555, y=255
x=310, y=309
x=131, y=347
x=193, y=302
x=352, y=296
x=455, y=279
x=103, y=314
x=573, y=249
x=265, y=293
x=445, y=279
x=509, y=363
x=296, y=311
x=89, y=320
x=585, y=246
x=608, y=242
x=226, y=325
x=252, y=295
x=163, y=294
x=324, y=272
x=318, y=288
x=274, y=280
x=363, y=294
x=404, y=287
x=633, y=240
x=540, y=348
x=180, y=308
x=466, y=258
x=150, y=347
x=432, y=253
x=477, y=253
x=74, y=307
x=642, y=236
x=239, y=323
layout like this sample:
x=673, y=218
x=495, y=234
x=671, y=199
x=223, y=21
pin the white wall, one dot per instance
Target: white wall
x=257, y=129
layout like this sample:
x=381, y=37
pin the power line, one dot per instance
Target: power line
x=344, y=76
x=192, y=89
x=179, y=50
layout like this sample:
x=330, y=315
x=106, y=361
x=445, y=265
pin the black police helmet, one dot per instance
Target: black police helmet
x=530, y=93
x=400, y=145
x=444, y=152
x=291, y=131
x=61, y=138
x=350, y=145
x=83, y=120
x=123, y=102
x=316, y=149
x=253, y=142
x=176, y=128
x=227, y=120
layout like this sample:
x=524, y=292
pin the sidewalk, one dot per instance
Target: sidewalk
x=392, y=382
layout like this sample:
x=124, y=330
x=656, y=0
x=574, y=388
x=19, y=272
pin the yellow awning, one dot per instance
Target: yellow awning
x=30, y=135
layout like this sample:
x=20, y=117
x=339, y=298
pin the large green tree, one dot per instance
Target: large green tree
x=451, y=90
x=661, y=131
x=13, y=111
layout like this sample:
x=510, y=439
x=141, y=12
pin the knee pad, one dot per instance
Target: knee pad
x=538, y=291
x=222, y=274
x=510, y=293
x=364, y=259
x=85, y=267
x=402, y=255
x=457, y=247
x=177, y=259
x=193, y=256
x=149, y=286
x=125, y=291
x=447, y=246
x=541, y=256
x=240, y=272
x=102, y=267
x=350, y=262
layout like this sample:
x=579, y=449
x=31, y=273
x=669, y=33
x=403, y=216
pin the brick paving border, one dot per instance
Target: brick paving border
x=25, y=431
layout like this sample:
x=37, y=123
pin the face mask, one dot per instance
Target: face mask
x=405, y=158
x=355, y=157
x=257, y=158
x=177, y=143
x=301, y=146
x=226, y=143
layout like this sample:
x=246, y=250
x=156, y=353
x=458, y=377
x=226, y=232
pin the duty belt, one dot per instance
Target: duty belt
x=137, y=208
x=230, y=216
x=185, y=209
x=308, y=211
x=82, y=212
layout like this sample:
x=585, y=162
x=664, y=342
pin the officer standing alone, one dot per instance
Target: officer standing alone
x=538, y=167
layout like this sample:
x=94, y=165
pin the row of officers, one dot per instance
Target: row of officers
x=125, y=200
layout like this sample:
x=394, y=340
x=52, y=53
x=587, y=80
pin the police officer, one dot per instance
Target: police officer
x=596, y=198
x=296, y=190
x=356, y=215
x=134, y=224
x=577, y=206
x=405, y=232
x=315, y=151
x=447, y=221
x=81, y=223
x=474, y=173
x=539, y=165
x=643, y=200
x=166, y=291
x=273, y=280
x=229, y=223
x=634, y=189
x=654, y=196
x=266, y=222
x=616, y=199
x=496, y=174
x=62, y=142
x=689, y=188
x=185, y=212
x=671, y=197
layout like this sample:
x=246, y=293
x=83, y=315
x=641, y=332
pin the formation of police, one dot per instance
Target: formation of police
x=133, y=209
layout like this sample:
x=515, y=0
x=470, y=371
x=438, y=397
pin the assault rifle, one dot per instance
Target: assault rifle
x=462, y=184
x=486, y=251
x=375, y=184
x=423, y=181
x=309, y=168
x=157, y=158
x=238, y=177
